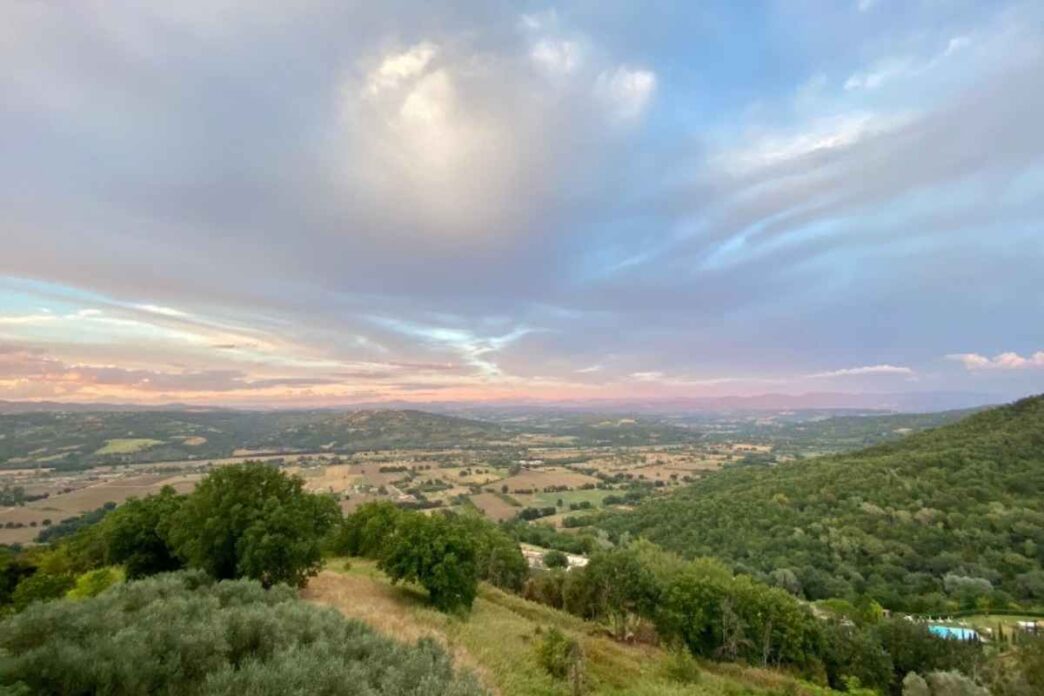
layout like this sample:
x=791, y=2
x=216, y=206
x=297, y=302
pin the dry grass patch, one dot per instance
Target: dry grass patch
x=494, y=507
x=498, y=639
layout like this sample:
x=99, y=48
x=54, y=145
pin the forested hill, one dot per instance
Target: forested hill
x=945, y=519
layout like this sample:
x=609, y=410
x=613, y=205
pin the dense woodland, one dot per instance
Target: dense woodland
x=947, y=519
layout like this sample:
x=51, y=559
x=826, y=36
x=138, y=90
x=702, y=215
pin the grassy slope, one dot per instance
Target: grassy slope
x=497, y=641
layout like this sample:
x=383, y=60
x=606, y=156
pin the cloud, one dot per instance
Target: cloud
x=165, y=311
x=19, y=366
x=626, y=91
x=243, y=187
x=890, y=370
x=398, y=68
x=1002, y=361
x=557, y=57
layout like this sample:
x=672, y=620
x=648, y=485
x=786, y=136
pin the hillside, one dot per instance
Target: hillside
x=77, y=440
x=805, y=433
x=944, y=519
x=497, y=641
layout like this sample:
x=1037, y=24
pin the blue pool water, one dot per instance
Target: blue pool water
x=954, y=632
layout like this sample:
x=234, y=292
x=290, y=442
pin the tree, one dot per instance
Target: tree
x=498, y=558
x=556, y=559
x=622, y=588
x=368, y=530
x=852, y=651
x=40, y=587
x=136, y=534
x=913, y=648
x=437, y=552
x=251, y=520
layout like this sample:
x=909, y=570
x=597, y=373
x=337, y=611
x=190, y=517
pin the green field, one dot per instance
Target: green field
x=128, y=445
x=594, y=497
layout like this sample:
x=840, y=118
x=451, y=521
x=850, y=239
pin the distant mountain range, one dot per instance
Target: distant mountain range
x=906, y=402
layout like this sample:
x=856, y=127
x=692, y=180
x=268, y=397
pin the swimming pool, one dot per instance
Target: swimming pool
x=954, y=632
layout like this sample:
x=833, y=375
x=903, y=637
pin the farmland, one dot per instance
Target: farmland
x=65, y=464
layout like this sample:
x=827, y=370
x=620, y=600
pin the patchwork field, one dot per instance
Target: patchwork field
x=127, y=445
x=531, y=480
x=497, y=482
x=494, y=506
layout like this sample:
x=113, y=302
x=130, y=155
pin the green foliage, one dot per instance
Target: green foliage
x=915, y=685
x=251, y=520
x=954, y=684
x=941, y=520
x=40, y=587
x=437, y=552
x=408, y=546
x=71, y=525
x=14, y=567
x=913, y=648
x=136, y=534
x=94, y=582
x=366, y=531
x=561, y=657
x=184, y=634
x=616, y=586
x=498, y=558
x=682, y=667
x=549, y=538
x=556, y=559
x=851, y=651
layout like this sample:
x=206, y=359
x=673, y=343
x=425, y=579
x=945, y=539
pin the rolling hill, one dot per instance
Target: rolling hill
x=76, y=440
x=944, y=519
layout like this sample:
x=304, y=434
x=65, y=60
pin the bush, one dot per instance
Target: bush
x=556, y=559
x=40, y=587
x=93, y=583
x=183, y=633
x=562, y=658
x=682, y=667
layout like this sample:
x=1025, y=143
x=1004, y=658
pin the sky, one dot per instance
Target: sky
x=321, y=203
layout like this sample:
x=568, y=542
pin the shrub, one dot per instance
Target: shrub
x=40, y=587
x=183, y=633
x=556, y=559
x=562, y=658
x=682, y=667
x=94, y=582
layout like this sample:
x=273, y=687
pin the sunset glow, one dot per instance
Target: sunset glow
x=329, y=203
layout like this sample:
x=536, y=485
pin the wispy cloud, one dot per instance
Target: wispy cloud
x=1002, y=361
x=886, y=370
